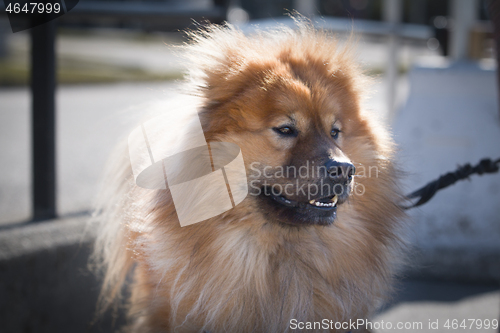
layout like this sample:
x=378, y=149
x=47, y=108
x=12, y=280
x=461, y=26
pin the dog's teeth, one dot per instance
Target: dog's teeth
x=332, y=202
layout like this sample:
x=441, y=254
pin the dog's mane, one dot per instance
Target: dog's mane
x=219, y=54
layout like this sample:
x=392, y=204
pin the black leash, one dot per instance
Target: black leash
x=427, y=192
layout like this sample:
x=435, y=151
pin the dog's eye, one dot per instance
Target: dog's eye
x=335, y=133
x=286, y=130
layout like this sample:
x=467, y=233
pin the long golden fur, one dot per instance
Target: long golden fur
x=255, y=267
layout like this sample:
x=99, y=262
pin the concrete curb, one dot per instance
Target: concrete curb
x=46, y=286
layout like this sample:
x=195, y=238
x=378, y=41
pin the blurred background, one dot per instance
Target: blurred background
x=74, y=87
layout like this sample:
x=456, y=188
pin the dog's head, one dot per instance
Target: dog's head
x=293, y=106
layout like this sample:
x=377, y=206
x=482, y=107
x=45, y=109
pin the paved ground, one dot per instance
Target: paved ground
x=90, y=121
x=92, y=118
x=418, y=303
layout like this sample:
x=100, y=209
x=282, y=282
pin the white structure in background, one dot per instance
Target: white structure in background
x=451, y=119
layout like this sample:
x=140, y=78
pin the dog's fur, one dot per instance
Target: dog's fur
x=254, y=268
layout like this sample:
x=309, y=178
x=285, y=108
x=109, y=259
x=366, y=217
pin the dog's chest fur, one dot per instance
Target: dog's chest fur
x=234, y=281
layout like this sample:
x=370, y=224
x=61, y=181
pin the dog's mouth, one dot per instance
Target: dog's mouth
x=317, y=211
x=325, y=203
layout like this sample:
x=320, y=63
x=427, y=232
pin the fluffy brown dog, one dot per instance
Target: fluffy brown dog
x=288, y=254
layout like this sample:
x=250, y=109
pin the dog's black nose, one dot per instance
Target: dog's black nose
x=338, y=170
